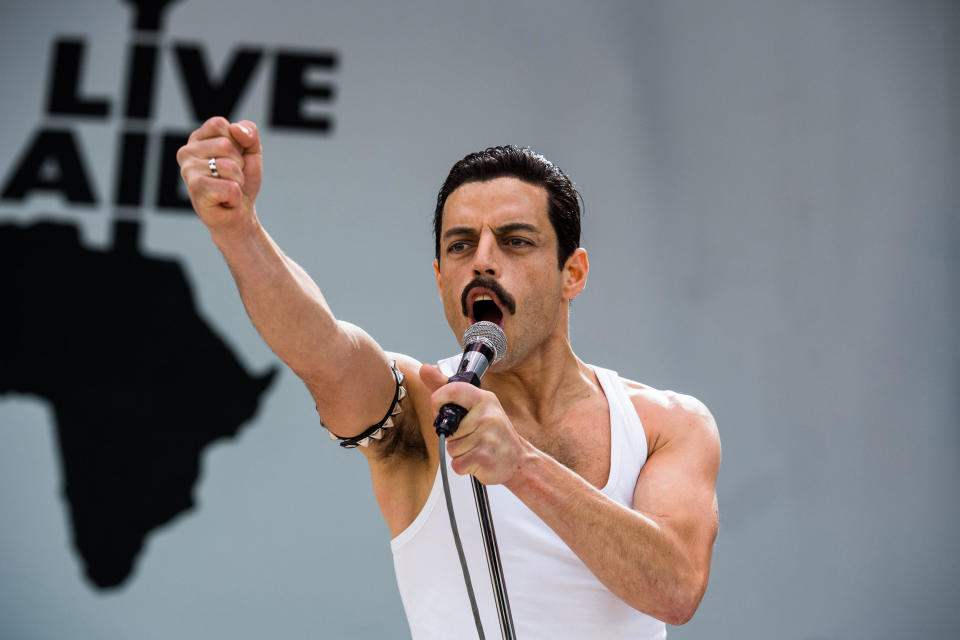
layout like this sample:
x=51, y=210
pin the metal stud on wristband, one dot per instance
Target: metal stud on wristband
x=375, y=432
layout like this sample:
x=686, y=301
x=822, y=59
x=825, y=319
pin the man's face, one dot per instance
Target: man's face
x=498, y=262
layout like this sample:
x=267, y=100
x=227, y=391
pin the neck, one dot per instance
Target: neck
x=544, y=384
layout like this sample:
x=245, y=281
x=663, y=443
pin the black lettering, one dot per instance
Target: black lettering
x=130, y=168
x=141, y=81
x=51, y=163
x=62, y=98
x=170, y=194
x=292, y=93
x=147, y=14
x=207, y=97
x=126, y=236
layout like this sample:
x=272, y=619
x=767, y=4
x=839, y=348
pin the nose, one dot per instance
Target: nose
x=484, y=258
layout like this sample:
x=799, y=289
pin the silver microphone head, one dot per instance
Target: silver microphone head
x=489, y=334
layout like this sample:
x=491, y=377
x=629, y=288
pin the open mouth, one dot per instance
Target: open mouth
x=486, y=299
x=485, y=308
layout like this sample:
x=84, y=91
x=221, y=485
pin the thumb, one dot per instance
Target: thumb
x=432, y=377
x=247, y=136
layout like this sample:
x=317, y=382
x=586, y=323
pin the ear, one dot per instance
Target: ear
x=436, y=273
x=575, y=271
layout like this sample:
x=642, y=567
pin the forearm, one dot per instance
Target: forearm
x=632, y=554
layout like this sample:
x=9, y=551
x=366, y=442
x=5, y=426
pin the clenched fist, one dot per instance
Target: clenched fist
x=486, y=445
x=224, y=200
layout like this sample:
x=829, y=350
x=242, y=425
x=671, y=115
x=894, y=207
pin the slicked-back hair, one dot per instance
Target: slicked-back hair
x=563, y=206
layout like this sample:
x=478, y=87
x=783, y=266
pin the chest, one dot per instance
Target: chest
x=579, y=440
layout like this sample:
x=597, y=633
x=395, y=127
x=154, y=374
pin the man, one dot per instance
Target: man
x=602, y=489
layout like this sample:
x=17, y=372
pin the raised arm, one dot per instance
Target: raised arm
x=343, y=367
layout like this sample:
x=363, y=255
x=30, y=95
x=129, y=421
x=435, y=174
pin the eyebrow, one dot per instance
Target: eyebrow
x=499, y=231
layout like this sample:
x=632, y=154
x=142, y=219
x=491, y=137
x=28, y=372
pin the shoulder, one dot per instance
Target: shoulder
x=669, y=416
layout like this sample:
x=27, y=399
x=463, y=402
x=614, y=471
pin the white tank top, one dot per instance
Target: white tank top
x=552, y=593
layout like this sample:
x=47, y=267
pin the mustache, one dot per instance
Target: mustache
x=505, y=298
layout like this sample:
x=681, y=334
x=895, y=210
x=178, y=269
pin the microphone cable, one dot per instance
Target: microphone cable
x=484, y=344
x=456, y=536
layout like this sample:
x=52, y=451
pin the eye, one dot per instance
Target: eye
x=457, y=247
x=516, y=242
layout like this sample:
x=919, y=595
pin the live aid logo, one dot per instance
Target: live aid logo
x=52, y=159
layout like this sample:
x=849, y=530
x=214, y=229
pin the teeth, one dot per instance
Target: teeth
x=482, y=297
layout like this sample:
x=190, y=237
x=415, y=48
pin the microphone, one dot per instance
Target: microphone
x=484, y=344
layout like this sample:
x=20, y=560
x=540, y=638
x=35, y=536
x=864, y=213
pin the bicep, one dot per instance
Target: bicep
x=677, y=485
x=360, y=389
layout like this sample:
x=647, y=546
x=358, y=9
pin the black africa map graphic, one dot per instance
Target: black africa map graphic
x=139, y=384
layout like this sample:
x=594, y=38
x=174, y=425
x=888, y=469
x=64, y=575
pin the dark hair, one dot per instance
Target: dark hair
x=522, y=163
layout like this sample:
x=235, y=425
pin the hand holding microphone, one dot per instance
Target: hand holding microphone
x=484, y=344
x=485, y=444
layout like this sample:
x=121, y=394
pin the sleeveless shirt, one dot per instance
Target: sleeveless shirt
x=552, y=594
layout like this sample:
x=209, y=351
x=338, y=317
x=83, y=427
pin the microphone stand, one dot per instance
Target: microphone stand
x=493, y=559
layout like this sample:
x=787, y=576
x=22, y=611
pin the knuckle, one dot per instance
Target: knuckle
x=217, y=121
x=190, y=178
x=486, y=459
x=223, y=147
x=218, y=194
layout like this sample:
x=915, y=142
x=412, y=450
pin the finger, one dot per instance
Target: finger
x=465, y=437
x=227, y=169
x=214, y=192
x=467, y=464
x=471, y=454
x=482, y=418
x=210, y=148
x=432, y=377
x=247, y=135
x=458, y=393
x=463, y=440
x=214, y=127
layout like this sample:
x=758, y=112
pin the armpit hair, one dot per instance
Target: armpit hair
x=404, y=440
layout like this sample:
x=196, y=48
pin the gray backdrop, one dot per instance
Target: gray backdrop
x=771, y=215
